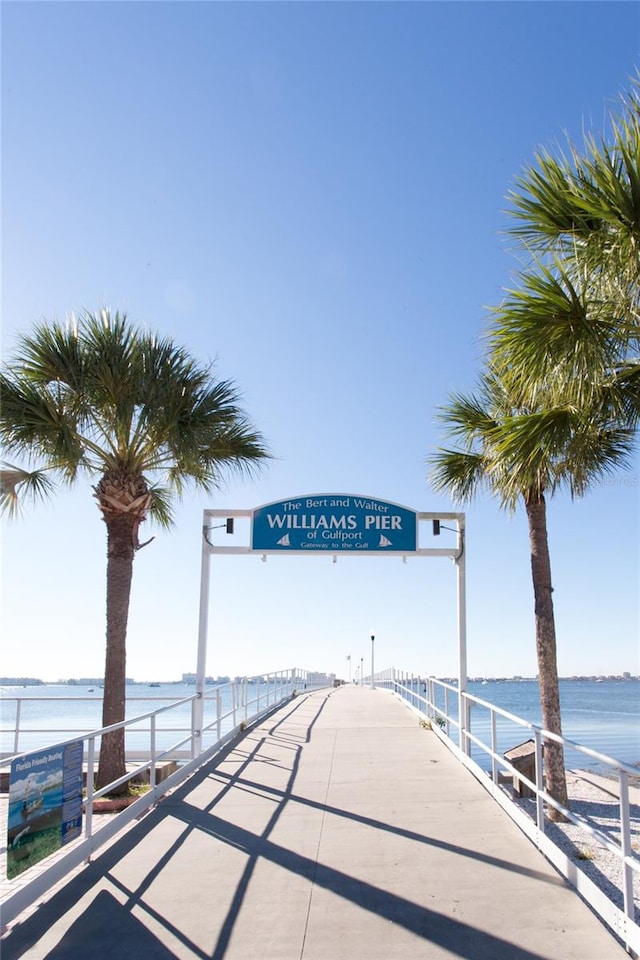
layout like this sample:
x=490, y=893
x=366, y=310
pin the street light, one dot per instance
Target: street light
x=372, y=680
x=361, y=669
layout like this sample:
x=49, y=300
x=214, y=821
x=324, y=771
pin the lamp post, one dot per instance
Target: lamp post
x=361, y=670
x=372, y=680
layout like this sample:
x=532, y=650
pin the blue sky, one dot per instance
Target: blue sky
x=313, y=195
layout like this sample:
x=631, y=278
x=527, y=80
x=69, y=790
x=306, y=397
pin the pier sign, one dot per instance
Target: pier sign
x=336, y=523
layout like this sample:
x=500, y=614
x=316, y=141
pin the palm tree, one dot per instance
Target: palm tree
x=560, y=401
x=520, y=453
x=136, y=413
x=577, y=214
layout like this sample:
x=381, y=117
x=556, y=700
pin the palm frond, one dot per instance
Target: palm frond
x=587, y=200
x=160, y=510
x=34, y=418
x=459, y=473
x=551, y=330
x=466, y=418
x=17, y=483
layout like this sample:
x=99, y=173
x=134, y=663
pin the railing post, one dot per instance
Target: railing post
x=494, y=747
x=218, y=714
x=446, y=710
x=194, y=727
x=625, y=844
x=539, y=781
x=467, y=722
x=152, y=748
x=16, y=732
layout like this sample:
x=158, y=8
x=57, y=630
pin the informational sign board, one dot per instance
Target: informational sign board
x=45, y=804
x=336, y=523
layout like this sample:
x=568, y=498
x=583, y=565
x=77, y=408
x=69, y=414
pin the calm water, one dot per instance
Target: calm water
x=604, y=716
x=64, y=711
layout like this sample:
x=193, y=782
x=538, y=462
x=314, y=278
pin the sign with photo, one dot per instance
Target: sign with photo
x=45, y=804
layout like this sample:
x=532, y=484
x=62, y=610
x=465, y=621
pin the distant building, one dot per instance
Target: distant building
x=191, y=678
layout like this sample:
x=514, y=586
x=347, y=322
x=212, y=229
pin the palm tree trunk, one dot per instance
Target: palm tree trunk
x=555, y=779
x=120, y=553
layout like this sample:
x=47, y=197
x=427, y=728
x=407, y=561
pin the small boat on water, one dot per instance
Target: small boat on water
x=33, y=799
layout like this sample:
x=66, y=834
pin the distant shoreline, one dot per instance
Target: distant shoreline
x=98, y=681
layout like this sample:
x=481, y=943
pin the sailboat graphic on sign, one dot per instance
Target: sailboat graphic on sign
x=284, y=541
x=384, y=542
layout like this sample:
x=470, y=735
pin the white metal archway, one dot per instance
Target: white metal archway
x=333, y=525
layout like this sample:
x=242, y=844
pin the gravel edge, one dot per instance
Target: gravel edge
x=595, y=798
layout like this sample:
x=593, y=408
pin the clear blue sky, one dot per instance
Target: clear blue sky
x=313, y=194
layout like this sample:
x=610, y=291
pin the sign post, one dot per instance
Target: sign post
x=463, y=705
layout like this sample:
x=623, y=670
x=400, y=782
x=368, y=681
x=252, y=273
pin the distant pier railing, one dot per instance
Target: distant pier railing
x=225, y=705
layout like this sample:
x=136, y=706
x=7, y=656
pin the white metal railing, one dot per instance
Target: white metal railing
x=439, y=704
x=232, y=707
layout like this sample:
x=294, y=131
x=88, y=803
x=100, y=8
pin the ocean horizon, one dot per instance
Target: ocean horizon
x=130, y=681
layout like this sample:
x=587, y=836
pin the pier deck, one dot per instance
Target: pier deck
x=337, y=829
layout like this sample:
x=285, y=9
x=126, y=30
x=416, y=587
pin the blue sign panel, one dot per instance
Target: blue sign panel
x=336, y=523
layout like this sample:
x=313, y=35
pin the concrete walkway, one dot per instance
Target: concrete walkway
x=338, y=829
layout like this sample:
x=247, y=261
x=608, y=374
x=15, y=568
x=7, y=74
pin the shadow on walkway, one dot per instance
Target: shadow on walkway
x=125, y=921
